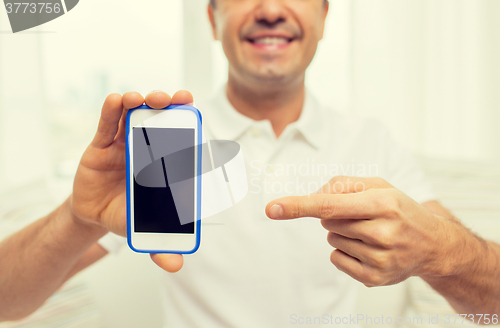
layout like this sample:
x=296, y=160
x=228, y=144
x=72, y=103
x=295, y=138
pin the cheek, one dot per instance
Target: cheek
x=312, y=27
x=228, y=40
x=228, y=31
x=231, y=18
x=315, y=33
x=225, y=33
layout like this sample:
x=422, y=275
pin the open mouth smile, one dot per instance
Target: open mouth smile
x=270, y=42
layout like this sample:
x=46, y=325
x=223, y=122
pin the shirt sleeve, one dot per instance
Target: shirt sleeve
x=404, y=173
x=112, y=242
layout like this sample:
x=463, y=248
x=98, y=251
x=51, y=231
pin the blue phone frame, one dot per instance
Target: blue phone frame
x=198, y=180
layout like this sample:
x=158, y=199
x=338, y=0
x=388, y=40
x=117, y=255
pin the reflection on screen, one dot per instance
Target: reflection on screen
x=160, y=206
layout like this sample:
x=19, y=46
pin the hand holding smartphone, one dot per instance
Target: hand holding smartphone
x=164, y=179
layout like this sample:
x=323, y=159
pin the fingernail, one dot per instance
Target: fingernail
x=275, y=212
x=153, y=92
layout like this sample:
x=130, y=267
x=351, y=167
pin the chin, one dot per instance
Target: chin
x=271, y=73
x=267, y=75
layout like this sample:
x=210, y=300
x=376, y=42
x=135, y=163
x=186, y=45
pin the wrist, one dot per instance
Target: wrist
x=458, y=251
x=84, y=228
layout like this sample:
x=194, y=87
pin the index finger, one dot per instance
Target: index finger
x=130, y=100
x=114, y=111
x=108, y=122
x=364, y=205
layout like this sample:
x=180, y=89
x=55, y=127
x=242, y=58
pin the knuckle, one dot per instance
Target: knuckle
x=367, y=284
x=373, y=280
x=381, y=182
x=296, y=209
x=388, y=205
x=394, y=212
x=334, y=260
x=327, y=208
x=380, y=260
x=332, y=238
x=337, y=178
x=382, y=236
x=301, y=208
x=327, y=224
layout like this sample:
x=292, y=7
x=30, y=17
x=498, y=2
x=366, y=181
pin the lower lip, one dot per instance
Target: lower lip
x=270, y=47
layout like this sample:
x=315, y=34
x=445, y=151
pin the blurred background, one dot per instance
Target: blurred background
x=428, y=69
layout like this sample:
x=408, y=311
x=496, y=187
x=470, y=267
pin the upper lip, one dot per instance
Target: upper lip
x=259, y=35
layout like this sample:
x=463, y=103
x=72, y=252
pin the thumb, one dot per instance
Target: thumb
x=168, y=262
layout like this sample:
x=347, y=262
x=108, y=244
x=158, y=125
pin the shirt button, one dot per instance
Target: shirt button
x=255, y=132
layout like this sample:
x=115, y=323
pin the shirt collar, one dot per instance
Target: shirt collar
x=310, y=123
x=226, y=123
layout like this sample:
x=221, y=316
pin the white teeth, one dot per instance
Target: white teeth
x=271, y=40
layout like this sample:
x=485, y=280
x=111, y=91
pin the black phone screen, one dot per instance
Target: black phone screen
x=164, y=180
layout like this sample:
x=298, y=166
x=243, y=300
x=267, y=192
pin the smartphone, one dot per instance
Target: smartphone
x=163, y=155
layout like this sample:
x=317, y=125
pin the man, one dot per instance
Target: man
x=252, y=271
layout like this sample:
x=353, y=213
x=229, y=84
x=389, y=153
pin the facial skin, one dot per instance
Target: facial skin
x=268, y=42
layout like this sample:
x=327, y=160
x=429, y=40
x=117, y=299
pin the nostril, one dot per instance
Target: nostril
x=269, y=23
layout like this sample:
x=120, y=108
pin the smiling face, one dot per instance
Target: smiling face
x=268, y=40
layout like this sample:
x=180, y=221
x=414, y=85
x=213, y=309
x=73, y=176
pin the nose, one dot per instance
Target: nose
x=271, y=12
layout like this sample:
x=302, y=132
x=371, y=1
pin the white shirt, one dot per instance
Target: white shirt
x=251, y=271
